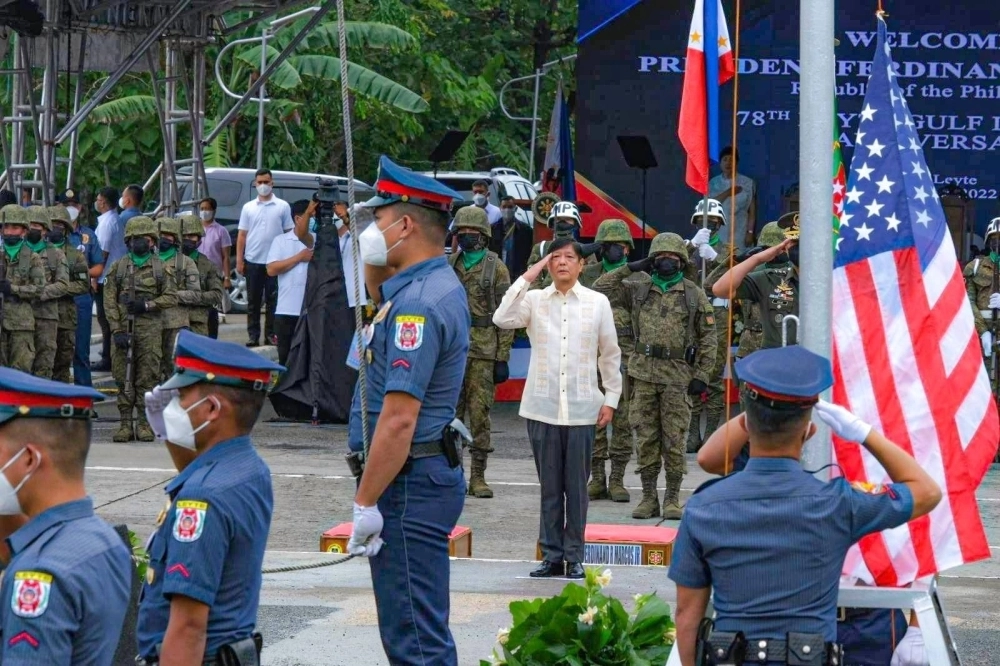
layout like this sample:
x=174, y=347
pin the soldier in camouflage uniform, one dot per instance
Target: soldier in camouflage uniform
x=982, y=283
x=46, y=304
x=211, y=293
x=707, y=248
x=155, y=292
x=183, y=272
x=753, y=331
x=564, y=220
x=675, y=346
x=22, y=278
x=775, y=289
x=79, y=284
x=486, y=280
x=615, y=243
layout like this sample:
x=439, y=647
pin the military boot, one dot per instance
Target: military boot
x=124, y=432
x=649, y=505
x=143, y=431
x=597, y=489
x=672, y=509
x=477, y=478
x=616, y=485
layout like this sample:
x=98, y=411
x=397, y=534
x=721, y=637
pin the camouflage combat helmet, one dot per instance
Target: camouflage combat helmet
x=142, y=226
x=790, y=223
x=771, y=235
x=191, y=225
x=668, y=242
x=38, y=215
x=58, y=213
x=14, y=214
x=170, y=225
x=613, y=231
x=473, y=217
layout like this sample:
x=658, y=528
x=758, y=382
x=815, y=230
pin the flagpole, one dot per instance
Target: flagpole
x=704, y=225
x=816, y=109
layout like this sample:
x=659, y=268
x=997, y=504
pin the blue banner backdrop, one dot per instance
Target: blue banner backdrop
x=630, y=73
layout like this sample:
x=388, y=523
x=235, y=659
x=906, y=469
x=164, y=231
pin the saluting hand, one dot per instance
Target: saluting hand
x=532, y=273
x=366, y=536
x=843, y=423
x=772, y=253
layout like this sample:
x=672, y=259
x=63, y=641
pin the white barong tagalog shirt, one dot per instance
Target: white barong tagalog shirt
x=572, y=336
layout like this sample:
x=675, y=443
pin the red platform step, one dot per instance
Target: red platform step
x=335, y=539
x=636, y=545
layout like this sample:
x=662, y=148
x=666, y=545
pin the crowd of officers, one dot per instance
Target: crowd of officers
x=675, y=326
x=161, y=286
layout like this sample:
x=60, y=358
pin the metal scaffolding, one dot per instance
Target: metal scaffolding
x=165, y=39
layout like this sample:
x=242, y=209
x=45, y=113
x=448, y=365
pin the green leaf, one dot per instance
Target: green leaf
x=358, y=35
x=361, y=80
x=521, y=610
x=285, y=76
x=216, y=153
x=650, y=623
x=124, y=108
x=148, y=137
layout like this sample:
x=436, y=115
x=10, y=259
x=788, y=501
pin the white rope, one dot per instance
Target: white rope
x=352, y=224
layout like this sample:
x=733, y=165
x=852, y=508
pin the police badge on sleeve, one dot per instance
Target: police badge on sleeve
x=32, y=590
x=409, y=332
x=189, y=520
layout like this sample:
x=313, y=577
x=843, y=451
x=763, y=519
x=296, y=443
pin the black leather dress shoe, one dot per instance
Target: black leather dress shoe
x=575, y=570
x=547, y=570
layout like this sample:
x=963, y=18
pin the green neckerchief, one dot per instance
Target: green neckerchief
x=470, y=259
x=36, y=247
x=995, y=258
x=194, y=255
x=666, y=283
x=714, y=239
x=608, y=267
x=140, y=261
x=169, y=254
x=58, y=245
x=13, y=250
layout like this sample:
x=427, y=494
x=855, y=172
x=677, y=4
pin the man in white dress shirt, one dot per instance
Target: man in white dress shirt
x=572, y=333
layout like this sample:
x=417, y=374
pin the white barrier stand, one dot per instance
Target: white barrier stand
x=922, y=596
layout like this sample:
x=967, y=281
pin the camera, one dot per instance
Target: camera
x=327, y=195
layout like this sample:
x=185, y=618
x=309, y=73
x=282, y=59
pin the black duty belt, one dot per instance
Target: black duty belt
x=482, y=322
x=656, y=351
x=149, y=661
x=426, y=450
x=798, y=650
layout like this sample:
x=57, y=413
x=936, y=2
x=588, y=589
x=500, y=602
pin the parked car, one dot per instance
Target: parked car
x=232, y=188
x=502, y=182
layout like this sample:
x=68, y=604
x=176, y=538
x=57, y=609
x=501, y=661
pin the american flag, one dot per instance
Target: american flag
x=906, y=355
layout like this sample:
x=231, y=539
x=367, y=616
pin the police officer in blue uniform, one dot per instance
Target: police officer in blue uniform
x=84, y=239
x=66, y=589
x=199, y=601
x=411, y=487
x=770, y=542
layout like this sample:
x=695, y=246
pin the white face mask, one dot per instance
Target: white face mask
x=73, y=213
x=337, y=222
x=264, y=190
x=206, y=215
x=121, y=203
x=479, y=199
x=372, y=243
x=9, y=504
x=178, y=423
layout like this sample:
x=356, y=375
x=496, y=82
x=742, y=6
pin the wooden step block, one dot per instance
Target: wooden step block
x=335, y=539
x=636, y=545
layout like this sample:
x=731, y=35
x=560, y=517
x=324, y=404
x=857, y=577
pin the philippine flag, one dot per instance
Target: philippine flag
x=709, y=65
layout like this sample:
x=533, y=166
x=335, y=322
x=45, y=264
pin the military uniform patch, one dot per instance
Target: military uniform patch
x=189, y=520
x=409, y=332
x=871, y=488
x=32, y=590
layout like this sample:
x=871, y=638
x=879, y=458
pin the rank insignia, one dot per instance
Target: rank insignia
x=32, y=590
x=383, y=312
x=409, y=332
x=150, y=575
x=189, y=520
x=160, y=517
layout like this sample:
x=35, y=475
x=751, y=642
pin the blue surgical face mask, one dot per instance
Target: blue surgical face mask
x=312, y=225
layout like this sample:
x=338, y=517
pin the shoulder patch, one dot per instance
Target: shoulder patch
x=872, y=488
x=32, y=590
x=409, y=332
x=189, y=520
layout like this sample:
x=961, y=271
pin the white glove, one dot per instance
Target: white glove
x=994, y=300
x=706, y=252
x=366, y=537
x=910, y=651
x=844, y=424
x=156, y=401
x=987, y=340
x=702, y=237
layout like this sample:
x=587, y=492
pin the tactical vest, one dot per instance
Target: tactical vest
x=157, y=272
x=486, y=277
x=641, y=293
x=51, y=258
x=23, y=266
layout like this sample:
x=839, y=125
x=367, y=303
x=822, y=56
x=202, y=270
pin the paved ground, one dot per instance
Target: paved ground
x=327, y=616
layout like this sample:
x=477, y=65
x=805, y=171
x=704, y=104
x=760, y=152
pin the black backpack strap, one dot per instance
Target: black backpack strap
x=691, y=296
x=639, y=295
x=487, y=278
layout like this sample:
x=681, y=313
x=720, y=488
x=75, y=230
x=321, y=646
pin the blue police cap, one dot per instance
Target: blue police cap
x=784, y=377
x=22, y=394
x=396, y=184
x=201, y=359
